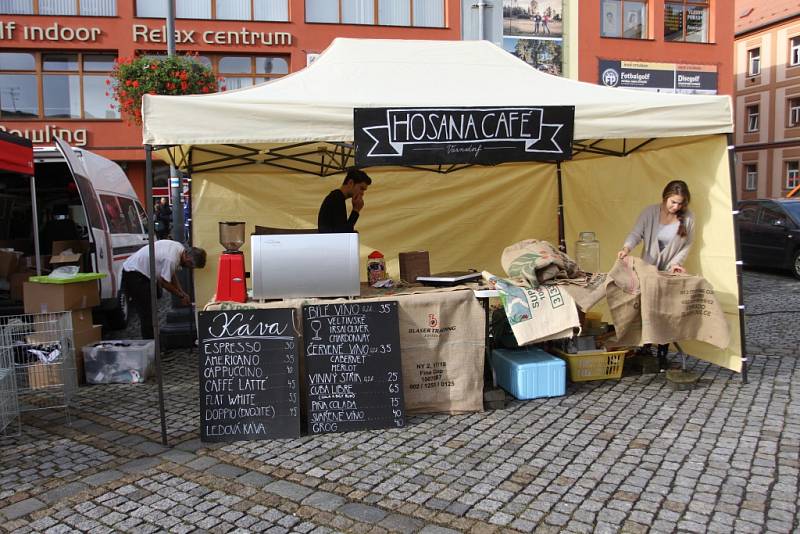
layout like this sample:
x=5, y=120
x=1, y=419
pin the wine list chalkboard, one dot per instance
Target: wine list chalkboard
x=248, y=375
x=352, y=366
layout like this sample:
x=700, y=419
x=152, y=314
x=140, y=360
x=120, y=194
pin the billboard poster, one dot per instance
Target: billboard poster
x=533, y=18
x=542, y=54
x=659, y=77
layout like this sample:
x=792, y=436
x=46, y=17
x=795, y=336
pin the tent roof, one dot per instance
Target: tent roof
x=316, y=103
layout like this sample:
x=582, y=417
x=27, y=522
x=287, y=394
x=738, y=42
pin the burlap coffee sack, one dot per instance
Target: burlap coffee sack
x=443, y=342
x=537, y=262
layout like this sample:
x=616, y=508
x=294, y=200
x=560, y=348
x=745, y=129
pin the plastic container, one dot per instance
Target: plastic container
x=119, y=362
x=529, y=373
x=594, y=365
x=587, y=252
x=376, y=267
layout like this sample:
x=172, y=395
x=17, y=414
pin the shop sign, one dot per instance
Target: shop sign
x=659, y=77
x=46, y=135
x=54, y=32
x=145, y=34
x=484, y=136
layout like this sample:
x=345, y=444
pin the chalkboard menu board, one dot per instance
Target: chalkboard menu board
x=249, y=378
x=353, y=373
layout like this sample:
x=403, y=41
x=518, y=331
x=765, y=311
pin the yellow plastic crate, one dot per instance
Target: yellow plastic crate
x=594, y=365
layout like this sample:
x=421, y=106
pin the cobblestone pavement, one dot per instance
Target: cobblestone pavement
x=632, y=455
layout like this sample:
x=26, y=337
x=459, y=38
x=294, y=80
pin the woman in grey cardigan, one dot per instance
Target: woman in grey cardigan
x=666, y=231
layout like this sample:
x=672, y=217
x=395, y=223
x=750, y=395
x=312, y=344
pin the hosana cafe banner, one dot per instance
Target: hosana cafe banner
x=486, y=135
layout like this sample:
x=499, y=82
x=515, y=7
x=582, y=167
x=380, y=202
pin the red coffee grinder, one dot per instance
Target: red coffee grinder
x=231, y=284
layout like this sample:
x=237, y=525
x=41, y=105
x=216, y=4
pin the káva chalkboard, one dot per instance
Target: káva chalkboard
x=353, y=373
x=248, y=375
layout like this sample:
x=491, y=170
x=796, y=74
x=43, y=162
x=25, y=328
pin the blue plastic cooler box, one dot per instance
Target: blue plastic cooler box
x=529, y=373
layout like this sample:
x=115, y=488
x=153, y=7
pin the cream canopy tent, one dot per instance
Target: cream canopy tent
x=250, y=153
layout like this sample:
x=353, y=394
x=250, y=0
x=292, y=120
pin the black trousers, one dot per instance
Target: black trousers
x=137, y=288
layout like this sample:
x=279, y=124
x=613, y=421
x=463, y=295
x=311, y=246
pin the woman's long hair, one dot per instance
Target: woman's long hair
x=678, y=187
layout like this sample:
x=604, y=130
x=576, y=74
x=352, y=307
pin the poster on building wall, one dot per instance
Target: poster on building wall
x=533, y=18
x=659, y=77
x=542, y=54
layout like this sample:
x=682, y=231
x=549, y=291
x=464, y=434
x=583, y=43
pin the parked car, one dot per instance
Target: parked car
x=770, y=233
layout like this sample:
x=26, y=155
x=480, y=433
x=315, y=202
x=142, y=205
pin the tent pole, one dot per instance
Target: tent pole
x=732, y=165
x=148, y=182
x=562, y=243
x=36, y=250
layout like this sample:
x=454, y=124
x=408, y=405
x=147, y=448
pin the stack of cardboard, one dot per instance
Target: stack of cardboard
x=78, y=298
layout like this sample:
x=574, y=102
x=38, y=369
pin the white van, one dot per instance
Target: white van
x=102, y=204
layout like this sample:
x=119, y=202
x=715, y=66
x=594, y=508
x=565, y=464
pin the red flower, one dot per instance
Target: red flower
x=135, y=83
x=153, y=66
x=205, y=89
x=184, y=86
x=108, y=82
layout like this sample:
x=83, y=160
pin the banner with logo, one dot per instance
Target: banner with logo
x=659, y=77
x=485, y=136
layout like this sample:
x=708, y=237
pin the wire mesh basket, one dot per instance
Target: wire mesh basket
x=9, y=408
x=40, y=349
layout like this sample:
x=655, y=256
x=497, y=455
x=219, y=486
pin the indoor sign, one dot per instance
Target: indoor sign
x=430, y=136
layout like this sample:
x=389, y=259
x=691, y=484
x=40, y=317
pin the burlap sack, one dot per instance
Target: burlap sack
x=678, y=307
x=625, y=314
x=443, y=340
x=648, y=306
x=535, y=315
x=587, y=291
x=537, y=262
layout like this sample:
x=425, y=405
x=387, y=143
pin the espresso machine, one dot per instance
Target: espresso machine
x=231, y=284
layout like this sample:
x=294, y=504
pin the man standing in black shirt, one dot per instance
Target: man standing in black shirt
x=332, y=217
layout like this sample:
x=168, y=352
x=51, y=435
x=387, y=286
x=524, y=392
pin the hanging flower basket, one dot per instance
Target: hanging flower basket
x=131, y=78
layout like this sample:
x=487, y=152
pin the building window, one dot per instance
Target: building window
x=420, y=13
x=85, y=8
x=243, y=71
x=752, y=118
x=794, y=51
x=792, y=174
x=71, y=86
x=751, y=177
x=754, y=62
x=272, y=10
x=794, y=112
x=686, y=20
x=624, y=18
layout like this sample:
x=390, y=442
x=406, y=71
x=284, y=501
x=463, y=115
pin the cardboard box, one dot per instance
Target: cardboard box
x=8, y=262
x=81, y=320
x=63, y=259
x=42, y=375
x=80, y=253
x=414, y=264
x=81, y=339
x=48, y=298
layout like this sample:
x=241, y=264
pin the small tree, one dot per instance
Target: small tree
x=131, y=78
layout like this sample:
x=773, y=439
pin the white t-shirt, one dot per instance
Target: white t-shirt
x=666, y=233
x=168, y=259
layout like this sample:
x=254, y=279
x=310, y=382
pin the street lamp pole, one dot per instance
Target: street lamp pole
x=175, y=182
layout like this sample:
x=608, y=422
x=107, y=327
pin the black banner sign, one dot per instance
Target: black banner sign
x=249, y=378
x=486, y=136
x=352, y=366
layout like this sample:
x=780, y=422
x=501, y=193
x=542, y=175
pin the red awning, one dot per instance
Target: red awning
x=16, y=154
